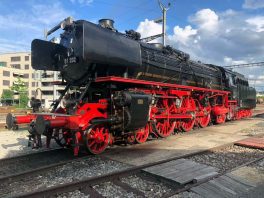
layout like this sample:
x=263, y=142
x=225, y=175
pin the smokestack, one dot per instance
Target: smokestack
x=107, y=23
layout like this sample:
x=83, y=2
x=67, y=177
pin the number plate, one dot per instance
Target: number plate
x=71, y=60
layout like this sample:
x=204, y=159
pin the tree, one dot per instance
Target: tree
x=7, y=94
x=23, y=97
x=7, y=97
x=20, y=87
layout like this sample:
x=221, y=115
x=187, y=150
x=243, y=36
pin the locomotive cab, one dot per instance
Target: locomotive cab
x=231, y=83
x=238, y=85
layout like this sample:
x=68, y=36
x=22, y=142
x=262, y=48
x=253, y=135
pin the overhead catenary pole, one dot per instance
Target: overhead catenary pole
x=164, y=17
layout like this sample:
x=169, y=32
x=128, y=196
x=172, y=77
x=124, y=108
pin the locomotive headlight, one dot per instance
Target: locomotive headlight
x=178, y=103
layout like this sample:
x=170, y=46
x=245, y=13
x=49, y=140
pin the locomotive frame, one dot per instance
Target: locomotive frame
x=173, y=107
x=129, y=90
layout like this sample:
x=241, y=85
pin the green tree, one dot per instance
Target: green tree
x=23, y=97
x=7, y=94
x=20, y=87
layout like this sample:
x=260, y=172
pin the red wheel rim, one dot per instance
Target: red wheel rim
x=248, y=114
x=164, y=127
x=220, y=119
x=189, y=106
x=187, y=125
x=97, y=139
x=204, y=121
x=141, y=135
x=238, y=115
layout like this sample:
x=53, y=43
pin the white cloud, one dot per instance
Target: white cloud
x=205, y=19
x=229, y=13
x=19, y=28
x=253, y=4
x=49, y=14
x=183, y=34
x=261, y=77
x=83, y=2
x=257, y=81
x=14, y=21
x=230, y=61
x=226, y=38
x=235, y=35
x=257, y=22
x=149, y=28
x=13, y=46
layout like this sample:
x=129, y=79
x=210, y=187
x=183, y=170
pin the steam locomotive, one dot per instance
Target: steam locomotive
x=128, y=90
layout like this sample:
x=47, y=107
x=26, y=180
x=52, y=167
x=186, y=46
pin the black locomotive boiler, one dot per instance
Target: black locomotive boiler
x=129, y=90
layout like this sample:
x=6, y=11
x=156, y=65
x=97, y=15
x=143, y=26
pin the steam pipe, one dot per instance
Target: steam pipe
x=103, y=121
x=62, y=25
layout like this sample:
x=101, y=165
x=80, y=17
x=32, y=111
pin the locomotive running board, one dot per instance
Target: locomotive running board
x=158, y=84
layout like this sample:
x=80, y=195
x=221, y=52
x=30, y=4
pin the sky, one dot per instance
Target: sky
x=222, y=32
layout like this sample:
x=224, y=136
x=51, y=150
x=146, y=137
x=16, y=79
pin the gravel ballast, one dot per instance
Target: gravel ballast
x=108, y=189
x=228, y=158
x=74, y=194
x=149, y=188
x=186, y=195
x=73, y=171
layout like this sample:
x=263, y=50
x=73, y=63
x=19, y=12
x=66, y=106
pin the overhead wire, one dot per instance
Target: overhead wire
x=257, y=64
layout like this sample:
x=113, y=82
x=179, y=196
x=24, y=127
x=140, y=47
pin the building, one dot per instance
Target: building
x=13, y=65
x=260, y=94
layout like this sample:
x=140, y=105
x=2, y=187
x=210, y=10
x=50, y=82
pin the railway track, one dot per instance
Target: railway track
x=30, y=163
x=19, y=169
x=23, y=170
x=122, y=180
x=21, y=164
x=27, y=172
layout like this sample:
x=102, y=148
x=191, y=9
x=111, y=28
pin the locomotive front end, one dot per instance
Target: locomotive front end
x=65, y=56
x=87, y=50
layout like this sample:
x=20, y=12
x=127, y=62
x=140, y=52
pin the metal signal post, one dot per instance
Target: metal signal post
x=164, y=12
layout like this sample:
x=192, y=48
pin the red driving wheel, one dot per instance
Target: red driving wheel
x=164, y=126
x=189, y=106
x=97, y=139
x=142, y=134
x=220, y=119
x=187, y=124
x=204, y=121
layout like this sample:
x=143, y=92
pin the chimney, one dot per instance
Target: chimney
x=107, y=23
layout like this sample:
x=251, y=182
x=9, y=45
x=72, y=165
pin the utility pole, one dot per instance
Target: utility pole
x=164, y=17
x=45, y=34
